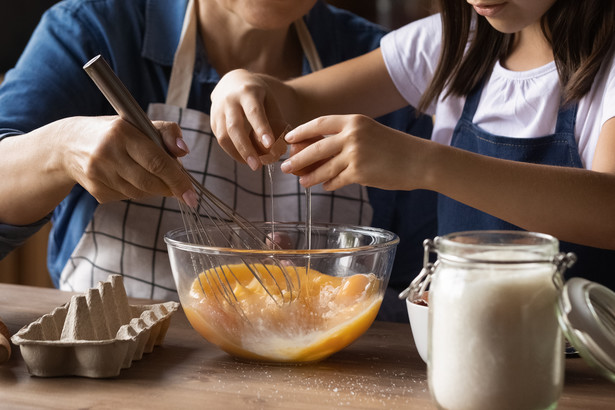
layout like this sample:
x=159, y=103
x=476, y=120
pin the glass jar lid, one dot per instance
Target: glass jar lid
x=586, y=312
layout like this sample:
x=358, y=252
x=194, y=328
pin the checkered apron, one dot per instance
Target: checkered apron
x=126, y=237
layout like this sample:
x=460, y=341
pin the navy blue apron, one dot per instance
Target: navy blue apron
x=558, y=149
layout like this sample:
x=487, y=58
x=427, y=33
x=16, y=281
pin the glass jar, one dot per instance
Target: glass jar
x=494, y=340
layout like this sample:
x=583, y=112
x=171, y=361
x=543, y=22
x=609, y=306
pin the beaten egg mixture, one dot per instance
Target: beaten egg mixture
x=322, y=315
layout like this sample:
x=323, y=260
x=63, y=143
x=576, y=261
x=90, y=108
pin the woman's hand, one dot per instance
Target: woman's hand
x=354, y=149
x=246, y=120
x=107, y=156
x=112, y=160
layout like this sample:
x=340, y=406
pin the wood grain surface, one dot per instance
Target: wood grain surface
x=381, y=370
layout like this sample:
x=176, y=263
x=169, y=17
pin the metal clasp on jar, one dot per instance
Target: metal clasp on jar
x=423, y=279
x=562, y=261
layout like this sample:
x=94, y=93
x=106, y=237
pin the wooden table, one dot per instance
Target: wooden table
x=381, y=370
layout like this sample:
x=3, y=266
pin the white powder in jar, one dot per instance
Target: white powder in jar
x=495, y=340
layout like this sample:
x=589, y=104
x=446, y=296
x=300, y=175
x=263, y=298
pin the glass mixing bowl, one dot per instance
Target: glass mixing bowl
x=287, y=305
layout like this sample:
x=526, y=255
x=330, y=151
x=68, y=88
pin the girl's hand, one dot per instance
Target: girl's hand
x=355, y=149
x=113, y=161
x=246, y=120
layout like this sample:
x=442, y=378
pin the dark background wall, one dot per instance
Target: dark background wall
x=18, y=20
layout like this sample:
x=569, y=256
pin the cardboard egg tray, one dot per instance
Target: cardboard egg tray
x=94, y=335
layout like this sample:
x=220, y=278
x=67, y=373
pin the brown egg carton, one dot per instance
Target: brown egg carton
x=93, y=335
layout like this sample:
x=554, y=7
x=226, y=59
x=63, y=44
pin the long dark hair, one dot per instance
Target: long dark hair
x=580, y=32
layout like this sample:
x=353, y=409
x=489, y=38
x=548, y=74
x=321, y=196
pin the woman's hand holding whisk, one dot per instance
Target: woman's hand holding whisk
x=113, y=160
x=105, y=155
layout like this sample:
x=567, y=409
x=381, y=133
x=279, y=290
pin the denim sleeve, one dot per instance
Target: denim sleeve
x=48, y=82
x=12, y=236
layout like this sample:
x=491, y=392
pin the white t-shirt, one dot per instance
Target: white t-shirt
x=519, y=104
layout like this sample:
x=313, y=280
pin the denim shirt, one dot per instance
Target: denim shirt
x=138, y=38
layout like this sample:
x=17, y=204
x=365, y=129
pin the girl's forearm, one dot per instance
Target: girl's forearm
x=358, y=86
x=572, y=204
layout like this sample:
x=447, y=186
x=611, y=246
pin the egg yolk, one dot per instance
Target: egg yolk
x=258, y=320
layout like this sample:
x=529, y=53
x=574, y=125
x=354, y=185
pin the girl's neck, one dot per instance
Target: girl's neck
x=232, y=43
x=530, y=50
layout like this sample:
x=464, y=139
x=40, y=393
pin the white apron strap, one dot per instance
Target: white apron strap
x=307, y=44
x=183, y=62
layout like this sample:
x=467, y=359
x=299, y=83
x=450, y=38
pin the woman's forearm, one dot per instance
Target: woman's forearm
x=32, y=181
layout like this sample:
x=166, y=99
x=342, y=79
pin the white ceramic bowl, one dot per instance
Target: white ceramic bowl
x=418, y=315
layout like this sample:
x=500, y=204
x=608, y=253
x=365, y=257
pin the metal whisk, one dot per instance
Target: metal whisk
x=213, y=209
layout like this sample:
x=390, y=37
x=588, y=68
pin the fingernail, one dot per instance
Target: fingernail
x=286, y=166
x=253, y=163
x=190, y=199
x=289, y=136
x=267, y=140
x=181, y=144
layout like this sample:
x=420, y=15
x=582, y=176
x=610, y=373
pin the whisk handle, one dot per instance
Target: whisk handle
x=120, y=98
